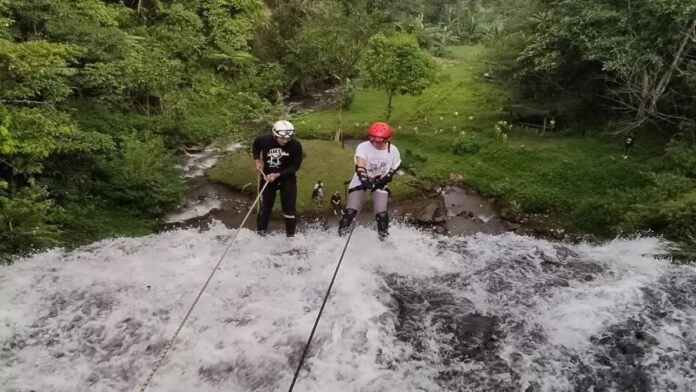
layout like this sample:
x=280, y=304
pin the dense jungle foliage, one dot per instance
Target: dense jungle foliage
x=98, y=96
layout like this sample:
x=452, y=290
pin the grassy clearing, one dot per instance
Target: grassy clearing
x=582, y=184
x=323, y=160
x=461, y=100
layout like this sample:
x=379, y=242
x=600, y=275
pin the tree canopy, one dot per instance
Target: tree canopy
x=395, y=64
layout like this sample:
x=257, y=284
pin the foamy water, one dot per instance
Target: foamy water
x=418, y=313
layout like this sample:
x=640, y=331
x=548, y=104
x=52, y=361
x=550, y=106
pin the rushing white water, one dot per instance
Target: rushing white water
x=193, y=168
x=418, y=313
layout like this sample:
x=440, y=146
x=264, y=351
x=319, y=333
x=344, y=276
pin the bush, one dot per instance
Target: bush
x=684, y=250
x=675, y=218
x=673, y=207
x=142, y=174
x=26, y=222
x=602, y=216
x=681, y=157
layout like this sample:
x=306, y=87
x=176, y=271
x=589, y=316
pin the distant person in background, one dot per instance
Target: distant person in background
x=318, y=193
x=630, y=139
x=277, y=157
x=336, y=204
x=376, y=162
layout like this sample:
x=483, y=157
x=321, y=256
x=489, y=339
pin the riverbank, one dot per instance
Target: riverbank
x=221, y=187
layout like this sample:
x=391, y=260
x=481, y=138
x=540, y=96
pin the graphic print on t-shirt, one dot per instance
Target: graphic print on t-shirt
x=377, y=167
x=274, y=156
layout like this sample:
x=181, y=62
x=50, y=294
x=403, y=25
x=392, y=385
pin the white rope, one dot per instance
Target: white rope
x=198, y=297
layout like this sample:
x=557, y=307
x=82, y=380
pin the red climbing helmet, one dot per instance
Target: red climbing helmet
x=379, y=130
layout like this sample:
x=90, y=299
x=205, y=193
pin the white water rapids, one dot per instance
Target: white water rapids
x=418, y=313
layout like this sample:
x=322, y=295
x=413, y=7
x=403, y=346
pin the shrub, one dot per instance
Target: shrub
x=142, y=174
x=681, y=157
x=26, y=221
x=598, y=215
x=675, y=218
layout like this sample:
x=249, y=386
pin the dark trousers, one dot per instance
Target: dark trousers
x=288, y=199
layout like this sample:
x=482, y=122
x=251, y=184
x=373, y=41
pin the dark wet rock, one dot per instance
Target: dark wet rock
x=238, y=321
x=443, y=327
x=216, y=373
x=156, y=348
x=582, y=268
x=681, y=290
x=564, y=253
x=621, y=351
x=474, y=336
x=431, y=211
x=162, y=314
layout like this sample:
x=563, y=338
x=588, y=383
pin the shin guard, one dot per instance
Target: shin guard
x=290, y=224
x=382, y=225
x=346, y=220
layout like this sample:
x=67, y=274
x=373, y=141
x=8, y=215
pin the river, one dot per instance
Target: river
x=421, y=312
x=477, y=309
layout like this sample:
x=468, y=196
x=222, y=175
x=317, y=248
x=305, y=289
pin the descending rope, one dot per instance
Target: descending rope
x=323, y=304
x=198, y=297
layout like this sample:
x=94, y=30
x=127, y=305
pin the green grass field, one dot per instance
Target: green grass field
x=460, y=100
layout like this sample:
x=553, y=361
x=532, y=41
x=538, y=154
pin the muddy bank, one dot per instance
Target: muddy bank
x=451, y=210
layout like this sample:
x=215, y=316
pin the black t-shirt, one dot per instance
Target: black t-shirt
x=285, y=160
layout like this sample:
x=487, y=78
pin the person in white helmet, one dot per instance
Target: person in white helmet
x=277, y=157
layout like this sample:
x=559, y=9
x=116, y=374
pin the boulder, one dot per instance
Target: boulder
x=432, y=212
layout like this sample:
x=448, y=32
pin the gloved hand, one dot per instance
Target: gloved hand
x=381, y=182
x=366, y=184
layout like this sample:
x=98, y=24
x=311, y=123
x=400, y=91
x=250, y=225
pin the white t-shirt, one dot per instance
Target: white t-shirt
x=377, y=162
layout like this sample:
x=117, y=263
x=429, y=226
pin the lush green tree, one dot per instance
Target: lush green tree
x=397, y=65
x=440, y=38
x=329, y=47
x=36, y=71
x=230, y=22
x=179, y=22
x=26, y=221
x=142, y=174
x=139, y=81
x=643, y=50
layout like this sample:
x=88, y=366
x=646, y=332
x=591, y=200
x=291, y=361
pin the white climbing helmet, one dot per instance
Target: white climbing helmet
x=284, y=129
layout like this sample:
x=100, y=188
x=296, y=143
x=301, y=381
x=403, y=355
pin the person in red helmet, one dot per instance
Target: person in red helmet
x=376, y=162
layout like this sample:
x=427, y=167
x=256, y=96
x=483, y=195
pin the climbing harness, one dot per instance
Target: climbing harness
x=198, y=297
x=323, y=304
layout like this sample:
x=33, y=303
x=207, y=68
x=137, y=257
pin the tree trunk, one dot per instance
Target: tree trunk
x=389, y=105
x=667, y=76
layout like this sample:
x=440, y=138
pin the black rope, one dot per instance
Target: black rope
x=323, y=304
